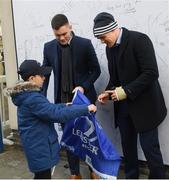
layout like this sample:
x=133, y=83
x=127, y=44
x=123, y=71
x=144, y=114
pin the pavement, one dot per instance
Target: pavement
x=13, y=165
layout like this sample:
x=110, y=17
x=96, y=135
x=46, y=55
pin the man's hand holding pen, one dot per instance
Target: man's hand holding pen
x=116, y=94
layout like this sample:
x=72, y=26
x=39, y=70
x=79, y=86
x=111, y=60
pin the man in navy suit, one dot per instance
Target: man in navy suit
x=75, y=67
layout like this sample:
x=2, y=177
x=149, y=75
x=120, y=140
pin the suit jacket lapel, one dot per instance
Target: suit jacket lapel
x=124, y=42
x=73, y=50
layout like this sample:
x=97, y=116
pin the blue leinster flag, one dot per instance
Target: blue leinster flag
x=85, y=137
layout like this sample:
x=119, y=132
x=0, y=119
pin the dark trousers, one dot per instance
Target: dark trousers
x=46, y=174
x=74, y=163
x=149, y=143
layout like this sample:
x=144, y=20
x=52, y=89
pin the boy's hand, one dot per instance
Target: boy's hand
x=92, y=108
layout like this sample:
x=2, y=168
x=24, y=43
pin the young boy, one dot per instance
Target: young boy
x=36, y=118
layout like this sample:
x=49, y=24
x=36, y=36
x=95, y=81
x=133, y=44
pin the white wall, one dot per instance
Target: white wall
x=32, y=28
x=9, y=53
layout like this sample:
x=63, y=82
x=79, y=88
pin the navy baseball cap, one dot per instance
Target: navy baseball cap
x=31, y=68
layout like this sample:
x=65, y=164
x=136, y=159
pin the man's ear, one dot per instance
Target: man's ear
x=31, y=78
x=70, y=26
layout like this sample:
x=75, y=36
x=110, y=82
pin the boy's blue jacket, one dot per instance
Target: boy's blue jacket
x=36, y=118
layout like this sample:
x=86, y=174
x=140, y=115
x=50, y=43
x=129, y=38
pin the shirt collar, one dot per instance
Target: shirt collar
x=120, y=36
x=70, y=38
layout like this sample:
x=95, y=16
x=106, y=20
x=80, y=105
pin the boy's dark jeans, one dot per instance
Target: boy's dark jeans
x=46, y=174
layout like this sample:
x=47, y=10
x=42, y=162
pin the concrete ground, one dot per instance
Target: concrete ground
x=13, y=166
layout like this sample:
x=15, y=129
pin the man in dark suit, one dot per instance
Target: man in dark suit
x=133, y=86
x=75, y=67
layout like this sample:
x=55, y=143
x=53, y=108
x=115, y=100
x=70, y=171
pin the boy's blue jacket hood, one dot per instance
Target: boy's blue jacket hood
x=20, y=90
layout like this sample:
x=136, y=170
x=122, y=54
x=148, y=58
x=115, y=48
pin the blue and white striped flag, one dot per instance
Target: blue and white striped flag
x=85, y=137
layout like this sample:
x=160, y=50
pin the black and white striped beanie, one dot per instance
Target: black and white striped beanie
x=104, y=23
